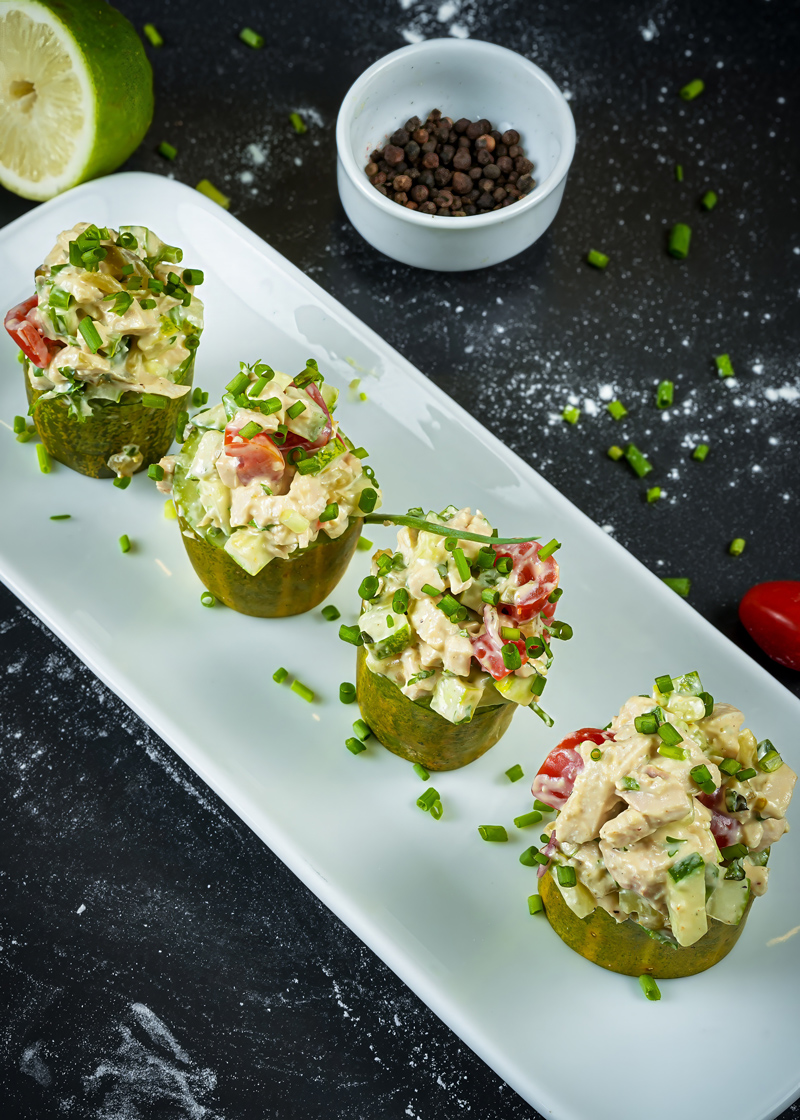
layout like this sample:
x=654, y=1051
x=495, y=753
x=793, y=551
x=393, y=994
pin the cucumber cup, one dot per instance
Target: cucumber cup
x=107, y=345
x=270, y=495
x=666, y=818
x=454, y=635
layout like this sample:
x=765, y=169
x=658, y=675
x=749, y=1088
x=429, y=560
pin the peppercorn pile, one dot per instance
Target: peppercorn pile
x=449, y=168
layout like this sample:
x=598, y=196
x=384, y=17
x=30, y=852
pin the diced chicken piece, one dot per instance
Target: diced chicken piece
x=591, y=871
x=722, y=729
x=457, y=654
x=429, y=658
x=419, y=573
x=773, y=791
x=752, y=831
x=772, y=830
x=595, y=796
x=625, y=829
x=636, y=706
x=610, y=903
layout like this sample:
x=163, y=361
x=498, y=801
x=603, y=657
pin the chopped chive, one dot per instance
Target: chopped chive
x=746, y=775
x=193, y=276
x=360, y=452
x=361, y=729
x=302, y=691
x=45, y=466
x=701, y=775
x=692, y=89
x=298, y=124
x=363, y=544
x=615, y=452
x=679, y=238
x=724, y=365
x=90, y=333
x=653, y=494
x=170, y=512
x=649, y=987
x=689, y=864
x=436, y=809
x=147, y=304
x=646, y=724
x=493, y=832
x=555, y=595
x=429, y=589
x=665, y=394
x=669, y=734
x=238, y=384
x=510, y=633
x=180, y=426
x=355, y=746
x=368, y=588
x=769, y=759
x=122, y=482
x=166, y=150
x=251, y=38
x=250, y=429
x=367, y=500
x=330, y=513
x=461, y=564
x=618, y=411
x=637, y=461
x=708, y=700
x=540, y=805
x=596, y=754
x=545, y=837
x=664, y=684
x=512, y=659
x=541, y=858
x=733, y=851
x=60, y=516
x=153, y=35
x=700, y=452
x=628, y=783
x=125, y=543
x=680, y=585
x=415, y=520
x=210, y=191
x=351, y=634
x=207, y=599
x=597, y=259
x=20, y=425
x=400, y=600
x=528, y=857
x=527, y=818
x=514, y=773
x=426, y=799
x=294, y=410
x=154, y=400
x=679, y=172
x=134, y=283
x=504, y=565
x=535, y=904
x=330, y=613
x=571, y=415
x=566, y=876
x=736, y=547
x=709, y=200
x=421, y=772
x=347, y=692
x=280, y=675
x=549, y=548
x=561, y=630
x=730, y=766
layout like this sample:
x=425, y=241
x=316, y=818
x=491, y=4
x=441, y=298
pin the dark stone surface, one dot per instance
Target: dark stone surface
x=202, y=979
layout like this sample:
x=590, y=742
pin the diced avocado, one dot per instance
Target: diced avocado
x=212, y=418
x=689, y=708
x=388, y=641
x=517, y=689
x=455, y=698
x=686, y=899
x=216, y=499
x=579, y=898
x=329, y=394
x=632, y=903
x=325, y=456
x=250, y=549
x=311, y=421
x=688, y=685
x=202, y=466
x=729, y=900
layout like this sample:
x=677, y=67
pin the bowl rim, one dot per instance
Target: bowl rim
x=355, y=173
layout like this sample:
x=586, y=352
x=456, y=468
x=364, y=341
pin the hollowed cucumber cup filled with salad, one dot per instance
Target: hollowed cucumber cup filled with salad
x=107, y=343
x=269, y=493
x=454, y=636
x=665, y=823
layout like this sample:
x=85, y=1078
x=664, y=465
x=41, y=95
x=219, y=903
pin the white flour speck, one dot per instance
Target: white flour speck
x=81, y=908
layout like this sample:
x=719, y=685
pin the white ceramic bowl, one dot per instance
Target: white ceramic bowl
x=462, y=78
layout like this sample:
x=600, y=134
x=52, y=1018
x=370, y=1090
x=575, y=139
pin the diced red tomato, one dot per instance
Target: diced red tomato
x=770, y=613
x=556, y=778
x=22, y=323
x=487, y=648
x=537, y=579
x=294, y=440
x=255, y=458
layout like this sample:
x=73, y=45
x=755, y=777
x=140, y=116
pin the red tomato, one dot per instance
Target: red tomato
x=255, y=458
x=537, y=578
x=770, y=613
x=556, y=778
x=487, y=648
x=22, y=323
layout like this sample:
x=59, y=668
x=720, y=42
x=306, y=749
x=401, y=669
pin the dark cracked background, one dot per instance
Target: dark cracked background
x=157, y=960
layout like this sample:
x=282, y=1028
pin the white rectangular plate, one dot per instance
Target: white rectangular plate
x=442, y=908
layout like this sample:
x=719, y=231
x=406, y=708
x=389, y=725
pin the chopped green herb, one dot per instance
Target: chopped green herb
x=618, y=411
x=512, y=659
x=461, y=564
x=207, y=599
x=730, y=766
x=637, y=461
x=421, y=772
x=90, y=333
x=724, y=365
x=664, y=684
x=535, y=904
x=596, y=754
x=700, y=452
x=571, y=415
x=680, y=237
x=298, y=124
x=19, y=425
x=680, y=585
x=122, y=482
x=368, y=588
x=45, y=466
x=561, y=630
x=330, y=513
x=514, y=773
x=363, y=544
x=210, y=191
x=679, y=172
x=355, y=746
x=60, y=516
x=166, y=150
x=597, y=259
x=251, y=38
x=361, y=729
x=709, y=200
x=769, y=759
x=125, y=543
x=746, y=775
x=665, y=394
x=302, y=691
x=351, y=634
x=669, y=734
x=250, y=429
x=400, y=600
x=540, y=805
x=331, y=613
x=549, y=548
x=367, y=500
x=280, y=675
x=566, y=876
x=153, y=35
x=615, y=452
x=692, y=89
x=736, y=547
x=627, y=782
x=527, y=818
x=154, y=400
x=687, y=865
x=147, y=304
x=493, y=832
x=528, y=857
x=427, y=799
x=347, y=692
x=646, y=724
x=649, y=987
x=733, y=851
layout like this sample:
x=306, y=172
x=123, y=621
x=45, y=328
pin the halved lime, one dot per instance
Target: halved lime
x=76, y=93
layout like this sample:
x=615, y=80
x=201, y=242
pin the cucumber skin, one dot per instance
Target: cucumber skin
x=86, y=446
x=419, y=734
x=625, y=947
x=282, y=587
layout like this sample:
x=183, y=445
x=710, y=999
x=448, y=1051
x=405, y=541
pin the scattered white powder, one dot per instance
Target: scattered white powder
x=81, y=908
x=649, y=31
x=447, y=11
x=785, y=393
x=256, y=154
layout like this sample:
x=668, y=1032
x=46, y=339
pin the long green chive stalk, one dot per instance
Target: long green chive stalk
x=423, y=526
